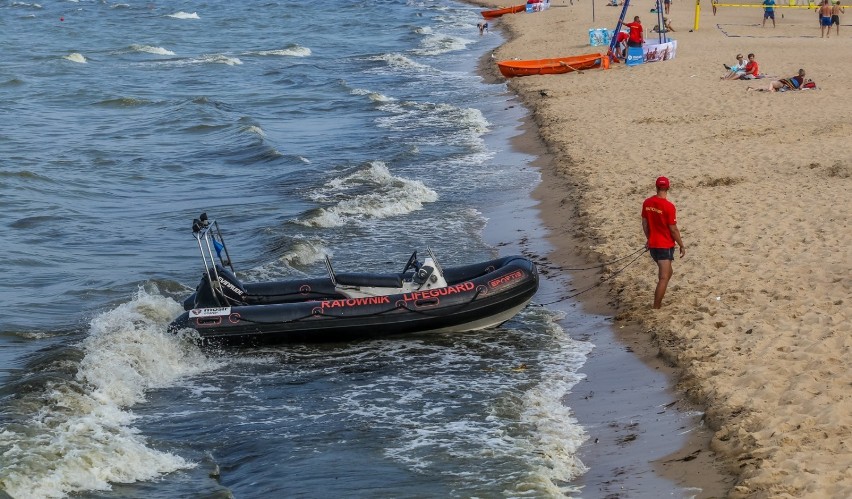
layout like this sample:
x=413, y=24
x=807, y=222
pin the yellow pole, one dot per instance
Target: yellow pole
x=697, y=13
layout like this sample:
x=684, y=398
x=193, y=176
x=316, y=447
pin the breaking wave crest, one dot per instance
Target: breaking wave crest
x=371, y=192
x=76, y=431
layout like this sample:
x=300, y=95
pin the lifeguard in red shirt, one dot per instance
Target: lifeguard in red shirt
x=659, y=222
x=637, y=33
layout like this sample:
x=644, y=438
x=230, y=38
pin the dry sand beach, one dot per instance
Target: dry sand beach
x=757, y=321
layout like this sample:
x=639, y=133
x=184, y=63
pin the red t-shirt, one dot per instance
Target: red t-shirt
x=622, y=36
x=751, y=68
x=660, y=213
x=635, y=32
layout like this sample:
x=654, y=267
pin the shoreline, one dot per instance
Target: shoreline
x=637, y=422
x=666, y=427
x=756, y=321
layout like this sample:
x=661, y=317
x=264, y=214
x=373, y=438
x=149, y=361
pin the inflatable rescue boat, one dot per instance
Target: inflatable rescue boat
x=424, y=297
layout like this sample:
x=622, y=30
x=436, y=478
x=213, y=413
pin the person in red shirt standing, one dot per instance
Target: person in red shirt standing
x=659, y=222
x=637, y=33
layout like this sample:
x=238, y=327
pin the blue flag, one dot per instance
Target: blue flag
x=219, y=247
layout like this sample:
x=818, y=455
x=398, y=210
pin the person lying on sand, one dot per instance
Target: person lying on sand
x=797, y=82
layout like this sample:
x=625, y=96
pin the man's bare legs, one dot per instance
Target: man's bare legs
x=665, y=274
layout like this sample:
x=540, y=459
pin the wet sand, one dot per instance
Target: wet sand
x=755, y=328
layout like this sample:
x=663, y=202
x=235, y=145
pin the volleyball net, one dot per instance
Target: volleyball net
x=780, y=5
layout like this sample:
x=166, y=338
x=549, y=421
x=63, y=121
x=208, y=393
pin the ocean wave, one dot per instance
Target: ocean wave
x=294, y=51
x=80, y=437
x=255, y=130
x=123, y=102
x=440, y=44
x=218, y=59
x=183, y=15
x=302, y=253
x=513, y=417
x=555, y=435
x=373, y=96
x=204, y=59
x=150, y=49
x=26, y=5
x=76, y=57
x=371, y=192
x=399, y=61
x=458, y=124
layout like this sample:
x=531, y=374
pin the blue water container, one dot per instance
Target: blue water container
x=635, y=56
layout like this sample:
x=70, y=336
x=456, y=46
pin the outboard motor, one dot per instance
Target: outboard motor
x=226, y=290
x=429, y=275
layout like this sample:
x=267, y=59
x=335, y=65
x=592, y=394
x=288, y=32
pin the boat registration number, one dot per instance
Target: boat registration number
x=209, y=312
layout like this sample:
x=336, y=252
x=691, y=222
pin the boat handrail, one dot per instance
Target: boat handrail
x=206, y=230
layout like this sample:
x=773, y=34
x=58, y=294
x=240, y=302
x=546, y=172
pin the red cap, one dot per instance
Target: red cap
x=662, y=183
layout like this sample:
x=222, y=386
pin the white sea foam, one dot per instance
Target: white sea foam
x=555, y=434
x=399, y=61
x=83, y=439
x=513, y=411
x=255, y=130
x=151, y=50
x=412, y=116
x=436, y=44
x=371, y=192
x=297, y=51
x=184, y=15
x=221, y=59
x=76, y=57
x=204, y=59
x=373, y=96
x=303, y=253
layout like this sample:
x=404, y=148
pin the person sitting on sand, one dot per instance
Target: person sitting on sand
x=751, y=69
x=736, y=70
x=793, y=83
x=667, y=26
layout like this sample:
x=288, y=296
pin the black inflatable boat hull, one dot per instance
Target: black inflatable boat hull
x=477, y=296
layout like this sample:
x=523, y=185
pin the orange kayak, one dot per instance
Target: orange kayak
x=557, y=65
x=491, y=14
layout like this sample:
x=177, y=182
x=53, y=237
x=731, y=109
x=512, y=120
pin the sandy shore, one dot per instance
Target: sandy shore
x=757, y=320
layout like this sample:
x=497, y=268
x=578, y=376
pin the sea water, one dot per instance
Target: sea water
x=355, y=129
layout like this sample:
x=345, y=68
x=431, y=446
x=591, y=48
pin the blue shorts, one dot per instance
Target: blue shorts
x=770, y=14
x=661, y=253
x=825, y=21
